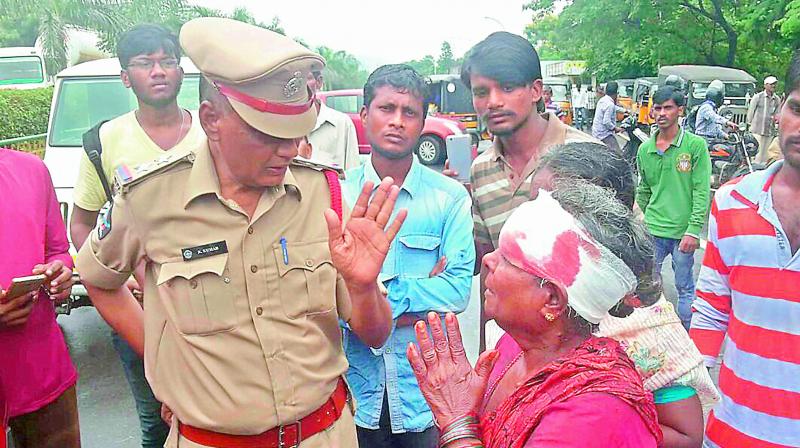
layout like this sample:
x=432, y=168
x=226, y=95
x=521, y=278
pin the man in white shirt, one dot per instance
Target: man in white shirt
x=334, y=137
x=579, y=102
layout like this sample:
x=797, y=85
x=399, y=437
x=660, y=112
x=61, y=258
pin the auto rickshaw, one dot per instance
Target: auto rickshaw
x=643, y=88
x=562, y=94
x=625, y=93
x=451, y=99
x=739, y=87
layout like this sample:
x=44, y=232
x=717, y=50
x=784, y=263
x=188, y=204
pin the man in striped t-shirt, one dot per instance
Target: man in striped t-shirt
x=748, y=296
x=504, y=74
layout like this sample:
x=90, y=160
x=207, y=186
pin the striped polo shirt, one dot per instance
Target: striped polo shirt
x=497, y=190
x=748, y=297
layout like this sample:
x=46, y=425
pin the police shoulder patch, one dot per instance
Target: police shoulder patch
x=104, y=220
x=125, y=177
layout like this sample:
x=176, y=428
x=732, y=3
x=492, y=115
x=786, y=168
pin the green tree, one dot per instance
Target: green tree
x=342, y=70
x=425, y=66
x=54, y=17
x=50, y=20
x=445, y=61
x=18, y=32
x=634, y=38
x=243, y=15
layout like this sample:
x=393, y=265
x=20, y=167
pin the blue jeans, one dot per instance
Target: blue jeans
x=682, y=264
x=580, y=117
x=154, y=430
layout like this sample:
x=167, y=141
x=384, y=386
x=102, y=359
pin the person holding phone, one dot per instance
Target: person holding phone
x=42, y=410
x=505, y=77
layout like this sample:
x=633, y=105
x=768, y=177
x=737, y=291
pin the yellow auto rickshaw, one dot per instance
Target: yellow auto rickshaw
x=643, y=89
x=451, y=99
x=562, y=94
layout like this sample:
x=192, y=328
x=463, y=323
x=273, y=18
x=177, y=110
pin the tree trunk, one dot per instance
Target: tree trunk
x=730, y=34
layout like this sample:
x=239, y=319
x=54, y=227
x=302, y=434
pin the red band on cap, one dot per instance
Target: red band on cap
x=262, y=105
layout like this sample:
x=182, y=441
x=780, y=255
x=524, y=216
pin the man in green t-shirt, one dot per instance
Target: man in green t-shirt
x=673, y=193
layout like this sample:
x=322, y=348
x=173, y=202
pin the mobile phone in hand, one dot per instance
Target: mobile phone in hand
x=24, y=285
x=459, y=154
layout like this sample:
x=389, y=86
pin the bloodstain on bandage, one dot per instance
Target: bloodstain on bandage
x=561, y=265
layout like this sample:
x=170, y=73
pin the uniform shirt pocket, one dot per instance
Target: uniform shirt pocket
x=418, y=254
x=199, y=295
x=307, y=280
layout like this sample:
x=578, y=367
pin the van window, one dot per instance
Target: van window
x=82, y=102
x=21, y=70
x=732, y=89
x=349, y=104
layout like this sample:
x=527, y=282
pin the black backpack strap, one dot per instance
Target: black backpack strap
x=94, y=149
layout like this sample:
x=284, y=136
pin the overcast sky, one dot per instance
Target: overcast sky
x=380, y=31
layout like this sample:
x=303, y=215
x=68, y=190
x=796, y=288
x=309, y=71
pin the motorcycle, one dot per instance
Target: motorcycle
x=634, y=136
x=733, y=158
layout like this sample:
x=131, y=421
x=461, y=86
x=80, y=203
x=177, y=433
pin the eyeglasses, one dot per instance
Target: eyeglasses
x=148, y=64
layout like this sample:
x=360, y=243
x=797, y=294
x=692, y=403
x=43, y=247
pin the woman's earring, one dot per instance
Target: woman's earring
x=550, y=317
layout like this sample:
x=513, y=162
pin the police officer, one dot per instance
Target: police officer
x=249, y=268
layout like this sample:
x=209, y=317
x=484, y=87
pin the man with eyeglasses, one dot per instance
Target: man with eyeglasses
x=150, y=59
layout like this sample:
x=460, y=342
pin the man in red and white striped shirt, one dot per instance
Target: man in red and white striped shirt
x=748, y=296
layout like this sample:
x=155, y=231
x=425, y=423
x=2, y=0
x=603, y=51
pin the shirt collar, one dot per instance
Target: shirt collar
x=754, y=186
x=411, y=184
x=676, y=142
x=555, y=133
x=203, y=178
x=323, y=115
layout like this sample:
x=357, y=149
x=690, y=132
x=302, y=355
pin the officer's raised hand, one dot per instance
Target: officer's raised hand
x=359, y=249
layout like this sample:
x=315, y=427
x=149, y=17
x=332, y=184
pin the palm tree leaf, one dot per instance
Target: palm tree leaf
x=52, y=38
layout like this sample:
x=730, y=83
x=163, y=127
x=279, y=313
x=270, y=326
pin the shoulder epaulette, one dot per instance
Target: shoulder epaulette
x=126, y=177
x=317, y=166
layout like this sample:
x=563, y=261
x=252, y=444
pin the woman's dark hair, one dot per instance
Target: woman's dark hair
x=146, y=39
x=592, y=162
x=667, y=93
x=401, y=77
x=506, y=58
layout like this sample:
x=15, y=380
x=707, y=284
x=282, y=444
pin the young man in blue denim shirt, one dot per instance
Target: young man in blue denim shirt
x=428, y=268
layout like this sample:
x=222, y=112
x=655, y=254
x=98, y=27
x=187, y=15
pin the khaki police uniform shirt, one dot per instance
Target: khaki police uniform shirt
x=236, y=342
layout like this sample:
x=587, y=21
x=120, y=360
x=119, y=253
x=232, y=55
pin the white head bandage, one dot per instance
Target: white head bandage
x=543, y=239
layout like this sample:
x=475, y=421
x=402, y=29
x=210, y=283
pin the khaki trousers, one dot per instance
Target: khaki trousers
x=342, y=434
x=53, y=426
x=763, y=143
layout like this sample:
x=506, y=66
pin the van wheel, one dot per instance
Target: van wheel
x=431, y=150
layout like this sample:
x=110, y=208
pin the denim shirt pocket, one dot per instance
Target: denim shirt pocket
x=418, y=254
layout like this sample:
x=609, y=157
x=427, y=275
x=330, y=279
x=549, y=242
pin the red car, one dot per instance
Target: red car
x=431, y=148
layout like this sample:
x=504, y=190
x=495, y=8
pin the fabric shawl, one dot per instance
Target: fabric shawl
x=597, y=365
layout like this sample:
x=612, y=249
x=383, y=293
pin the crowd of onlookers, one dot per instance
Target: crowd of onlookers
x=259, y=297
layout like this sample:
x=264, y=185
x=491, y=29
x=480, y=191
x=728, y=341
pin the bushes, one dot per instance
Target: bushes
x=24, y=112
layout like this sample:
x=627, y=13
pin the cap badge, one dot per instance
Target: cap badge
x=293, y=85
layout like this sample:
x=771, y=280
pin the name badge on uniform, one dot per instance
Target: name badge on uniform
x=206, y=250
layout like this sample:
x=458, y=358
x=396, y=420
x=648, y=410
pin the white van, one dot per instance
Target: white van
x=22, y=68
x=84, y=95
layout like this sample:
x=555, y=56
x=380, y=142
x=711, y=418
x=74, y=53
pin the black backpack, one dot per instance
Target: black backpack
x=94, y=149
x=691, y=120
